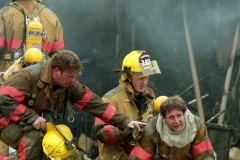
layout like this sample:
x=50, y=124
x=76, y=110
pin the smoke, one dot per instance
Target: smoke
x=102, y=32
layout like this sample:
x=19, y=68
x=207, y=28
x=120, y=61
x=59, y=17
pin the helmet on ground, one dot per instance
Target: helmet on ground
x=158, y=102
x=57, y=141
x=33, y=55
x=138, y=64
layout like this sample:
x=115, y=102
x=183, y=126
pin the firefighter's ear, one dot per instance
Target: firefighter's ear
x=164, y=119
x=56, y=71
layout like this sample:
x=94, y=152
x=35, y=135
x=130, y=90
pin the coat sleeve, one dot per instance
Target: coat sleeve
x=12, y=94
x=58, y=43
x=106, y=133
x=145, y=149
x=202, y=147
x=84, y=99
x=53, y=40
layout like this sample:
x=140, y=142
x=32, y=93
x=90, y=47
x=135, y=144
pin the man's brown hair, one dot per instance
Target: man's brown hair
x=173, y=102
x=67, y=60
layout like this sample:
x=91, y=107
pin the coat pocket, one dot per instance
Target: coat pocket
x=12, y=132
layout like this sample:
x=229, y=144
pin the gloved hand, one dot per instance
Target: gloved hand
x=136, y=123
x=137, y=134
x=134, y=134
x=127, y=134
x=26, y=127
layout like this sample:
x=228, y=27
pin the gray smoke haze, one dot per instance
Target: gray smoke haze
x=91, y=28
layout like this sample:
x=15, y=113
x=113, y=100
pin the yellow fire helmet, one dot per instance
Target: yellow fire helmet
x=138, y=64
x=158, y=102
x=57, y=141
x=33, y=55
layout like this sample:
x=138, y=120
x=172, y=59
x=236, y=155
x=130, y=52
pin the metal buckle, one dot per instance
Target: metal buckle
x=132, y=143
x=166, y=156
x=8, y=56
x=70, y=119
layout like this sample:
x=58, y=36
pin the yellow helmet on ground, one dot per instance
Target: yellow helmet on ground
x=158, y=102
x=33, y=55
x=138, y=64
x=57, y=141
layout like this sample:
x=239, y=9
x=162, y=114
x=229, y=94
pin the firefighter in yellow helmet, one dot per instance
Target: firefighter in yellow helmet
x=16, y=36
x=28, y=24
x=133, y=98
x=31, y=56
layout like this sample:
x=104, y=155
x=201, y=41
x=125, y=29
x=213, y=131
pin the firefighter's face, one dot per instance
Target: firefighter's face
x=139, y=84
x=175, y=119
x=65, y=78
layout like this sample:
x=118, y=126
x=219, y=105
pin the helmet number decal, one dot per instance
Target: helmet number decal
x=145, y=62
x=145, y=65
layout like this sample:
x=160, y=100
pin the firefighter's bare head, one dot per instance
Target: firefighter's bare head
x=65, y=67
x=173, y=111
x=173, y=102
x=67, y=60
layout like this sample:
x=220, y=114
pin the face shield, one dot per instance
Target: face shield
x=147, y=68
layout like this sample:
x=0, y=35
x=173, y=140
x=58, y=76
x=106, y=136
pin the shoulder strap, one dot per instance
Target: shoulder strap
x=38, y=8
x=34, y=70
x=4, y=9
x=112, y=92
x=197, y=121
x=69, y=106
x=150, y=128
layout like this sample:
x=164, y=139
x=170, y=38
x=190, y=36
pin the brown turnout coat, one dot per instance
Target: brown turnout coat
x=122, y=97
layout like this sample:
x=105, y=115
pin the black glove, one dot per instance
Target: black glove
x=55, y=118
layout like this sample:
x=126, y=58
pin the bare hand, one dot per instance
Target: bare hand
x=39, y=123
x=137, y=124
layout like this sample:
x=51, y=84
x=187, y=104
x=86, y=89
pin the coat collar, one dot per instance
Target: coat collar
x=125, y=85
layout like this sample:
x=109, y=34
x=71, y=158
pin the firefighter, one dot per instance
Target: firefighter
x=133, y=98
x=41, y=92
x=174, y=134
x=31, y=56
x=26, y=24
